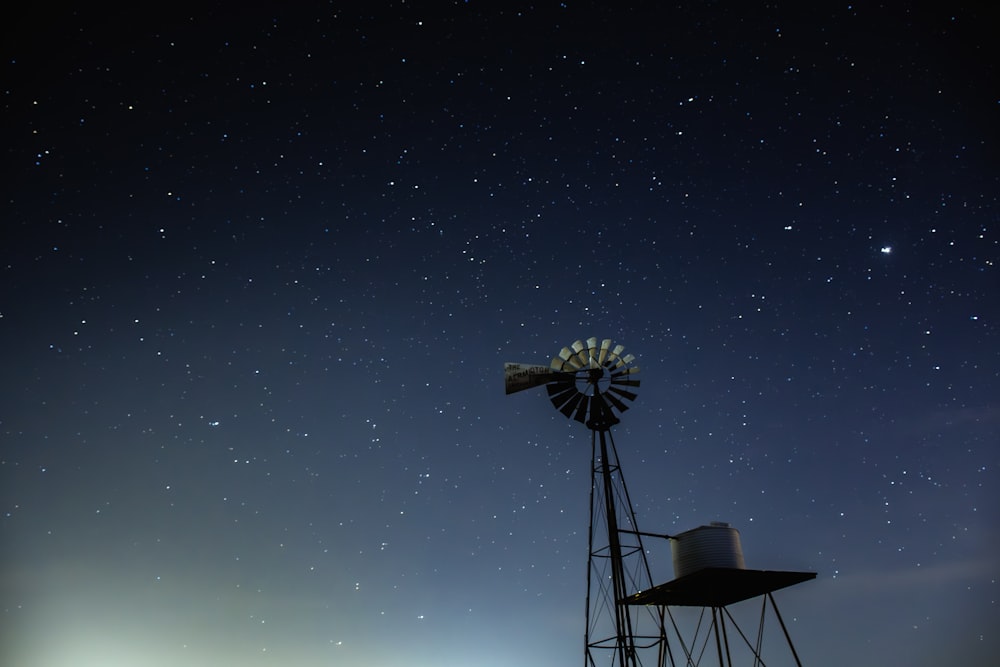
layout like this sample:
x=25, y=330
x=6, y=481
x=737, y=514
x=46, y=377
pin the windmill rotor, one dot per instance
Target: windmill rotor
x=589, y=381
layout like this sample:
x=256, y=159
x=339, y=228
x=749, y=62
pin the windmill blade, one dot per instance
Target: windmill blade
x=560, y=391
x=614, y=356
x=572, y=405
x=569, y=406
x=580, y=356
x=626, y=383
x=592, y=352
x=518, y=377
x=634, y=370
x=566, y=355
x=614, y=400
x=605, y=346
x=624, y=361
x=622, y=392
x=563, y=394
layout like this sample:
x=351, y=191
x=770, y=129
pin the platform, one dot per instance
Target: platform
x=717, y=587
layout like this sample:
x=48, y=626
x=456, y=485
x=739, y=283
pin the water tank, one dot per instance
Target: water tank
x=715, y=545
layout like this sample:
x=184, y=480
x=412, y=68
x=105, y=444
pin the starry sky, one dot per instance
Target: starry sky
x=262, y=266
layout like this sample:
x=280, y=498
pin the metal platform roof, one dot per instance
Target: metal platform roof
x=717, y=587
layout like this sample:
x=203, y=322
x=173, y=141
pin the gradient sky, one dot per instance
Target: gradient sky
x=262, y=267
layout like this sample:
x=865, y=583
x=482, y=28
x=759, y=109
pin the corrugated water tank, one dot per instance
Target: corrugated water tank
x=715, y=545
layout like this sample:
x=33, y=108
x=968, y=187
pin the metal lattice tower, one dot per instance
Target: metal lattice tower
x=593, y=383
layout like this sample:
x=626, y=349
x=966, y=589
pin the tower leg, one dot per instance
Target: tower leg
x=788, y=637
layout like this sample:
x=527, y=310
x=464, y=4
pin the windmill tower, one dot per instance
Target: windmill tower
x=627, y=617
x=592, y=383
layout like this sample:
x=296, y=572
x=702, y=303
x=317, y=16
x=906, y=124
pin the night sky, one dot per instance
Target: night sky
x=262, y=267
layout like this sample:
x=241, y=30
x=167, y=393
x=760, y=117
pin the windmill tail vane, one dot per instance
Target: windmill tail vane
x=518, y=377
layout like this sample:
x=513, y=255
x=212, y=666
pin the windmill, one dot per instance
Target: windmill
x=593, y=382
x=627, y=616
